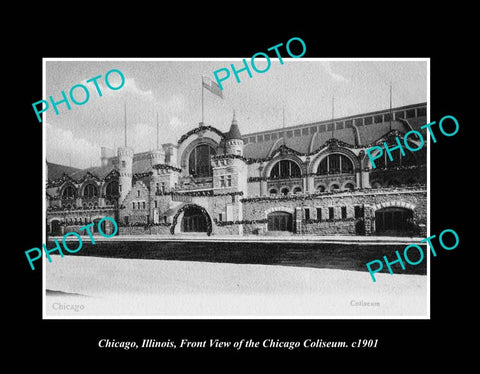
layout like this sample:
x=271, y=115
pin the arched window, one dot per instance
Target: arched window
x=273, y=191
x=90, y=191
x=349, y=186
x=297, y=190
x=284, y=191
x=199, y=161
x=334, y=187
x=320, y=188
x=335, y=164
x=398, y=160
x=285, y=169
x=112, y=191
x=69, y=193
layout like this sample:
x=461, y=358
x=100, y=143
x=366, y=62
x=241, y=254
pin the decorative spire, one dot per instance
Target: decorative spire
x=234, y=132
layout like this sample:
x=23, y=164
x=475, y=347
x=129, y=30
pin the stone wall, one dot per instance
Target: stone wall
x=346, y=224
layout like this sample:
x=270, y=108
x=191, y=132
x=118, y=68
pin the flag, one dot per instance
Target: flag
x=212, y=86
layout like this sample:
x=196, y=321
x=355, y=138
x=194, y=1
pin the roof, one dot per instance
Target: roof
x=234, y=132
x=55, y=171
x=359, y=130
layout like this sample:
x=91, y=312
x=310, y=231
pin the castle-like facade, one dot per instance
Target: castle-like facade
x=307, y=179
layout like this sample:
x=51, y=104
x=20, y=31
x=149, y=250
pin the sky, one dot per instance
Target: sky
x=172, y=91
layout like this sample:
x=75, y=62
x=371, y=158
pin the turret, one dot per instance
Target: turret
x=125, y=161
x=157, y=156
x=233, y=139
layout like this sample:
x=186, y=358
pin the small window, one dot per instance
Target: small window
x=368, y=120
x=297, y=190
x=322, y=128
x=272, y=191
x=260, y=138
x=305, y=131
x=330, y=127
x=358, y=211
x=281, y=134
x=267, y=137
x=138, y=193
x=252, y=139
x=296, y=132
x=421, y=112
x=229, y=180
x=143, y=205
x=331, y=214
x=321, y=188
x=284, y=191
x=378, y=118
x=388, y=117
x=156, y=203
x=274, y=136
x=245, y=141
x=133, y=205
x=313, y=130
x=307, y=213
x=222, y=180
x=220, y=217
x=319, y=214
x=399, y=115
x=157, y=187
x=359, y=121
x=289, y=134
x=124, y=164
x=344, y=212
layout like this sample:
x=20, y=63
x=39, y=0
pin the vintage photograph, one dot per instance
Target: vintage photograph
x=253, y=198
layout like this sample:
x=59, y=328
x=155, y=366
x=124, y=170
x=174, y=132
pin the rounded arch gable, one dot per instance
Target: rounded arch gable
x=66, y=185
x=185, y=154
x=279, y=209
x=313, y=166
x=268, y=168
x=84, y=185
x=396, y=203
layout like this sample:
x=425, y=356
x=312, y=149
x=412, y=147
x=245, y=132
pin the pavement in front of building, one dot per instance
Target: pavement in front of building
x=254, y=238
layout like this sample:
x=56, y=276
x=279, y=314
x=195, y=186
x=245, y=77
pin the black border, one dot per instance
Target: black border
x=413, y=338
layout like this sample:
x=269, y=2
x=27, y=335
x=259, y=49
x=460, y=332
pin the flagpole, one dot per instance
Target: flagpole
x=201, y=123
x=333, y=116
x=390, y=106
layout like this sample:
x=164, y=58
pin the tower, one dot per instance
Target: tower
x=233, y=139
x=157, y=156
x=125, y=161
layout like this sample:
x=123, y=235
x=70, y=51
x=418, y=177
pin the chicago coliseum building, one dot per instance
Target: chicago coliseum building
x=308, y=179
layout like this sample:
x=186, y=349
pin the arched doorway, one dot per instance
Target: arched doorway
x=280, y=221
x=394, y=221
x=194, y=220
x=56, y=229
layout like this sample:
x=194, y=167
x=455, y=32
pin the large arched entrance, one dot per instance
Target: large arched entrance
x=394, y=221
x=280, y=221
x=194, y=220
x=191, y=218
